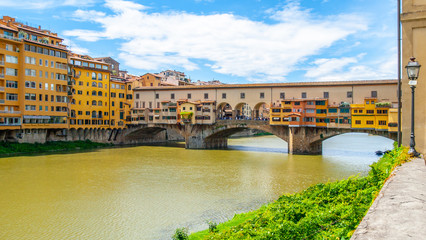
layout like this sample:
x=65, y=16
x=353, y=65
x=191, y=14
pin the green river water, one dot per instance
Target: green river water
x=147, y=192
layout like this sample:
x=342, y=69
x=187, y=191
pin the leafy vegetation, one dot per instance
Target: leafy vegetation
x=323, y=211
x=9, y=148
x=180, y=234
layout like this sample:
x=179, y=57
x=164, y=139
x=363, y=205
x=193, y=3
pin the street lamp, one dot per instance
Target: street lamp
x=413, y=68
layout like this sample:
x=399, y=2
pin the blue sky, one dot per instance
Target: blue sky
x=232, y=41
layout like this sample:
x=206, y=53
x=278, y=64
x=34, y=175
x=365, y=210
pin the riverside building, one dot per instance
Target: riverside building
x=33, y=82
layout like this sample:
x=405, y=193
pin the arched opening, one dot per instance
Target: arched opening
x=224, y=111
x=243, y=111
x=261, y=111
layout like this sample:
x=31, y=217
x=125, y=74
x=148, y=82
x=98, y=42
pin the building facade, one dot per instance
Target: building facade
x=413, y=20
x=33, y=77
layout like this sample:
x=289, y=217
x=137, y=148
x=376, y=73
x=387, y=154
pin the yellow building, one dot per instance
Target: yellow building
x=370, y=115
x=120, y=109
x=90, y=93
x=33, y=80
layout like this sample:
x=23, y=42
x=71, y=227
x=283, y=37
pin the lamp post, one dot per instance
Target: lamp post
x=413, y=68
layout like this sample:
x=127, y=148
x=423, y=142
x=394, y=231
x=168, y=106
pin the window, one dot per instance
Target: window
x=358, y=122
x=370, y=122
x=137, y=96
x=382, y=123
x=30, y=60
x=349, y=94
x=367, y=102
x=282, y=95
x=157, y=96
x=360, y=111
x=262, y=95
x=30, y=107
x=11, y=72
x=370, y=111
x=172, y=96
x=374, y=94
x=99, y=76
x=100, y=93
x=206, y=96
x=11, y=97
x=11, y=84
x=46, y=63
x=223, y=95
x=94, y=84
x=242, y=95
x=13, y=59
x=100, y=85
x=326, y=95
x=276, y=110
x=93, y=76
x=30, y=72
x=303, y=95
x=189, y=96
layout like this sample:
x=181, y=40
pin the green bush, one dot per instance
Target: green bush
x=212, y=226
x=180, y=234
x=324, y=211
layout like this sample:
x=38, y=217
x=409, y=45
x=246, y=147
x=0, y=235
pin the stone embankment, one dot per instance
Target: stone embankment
x=399, y=212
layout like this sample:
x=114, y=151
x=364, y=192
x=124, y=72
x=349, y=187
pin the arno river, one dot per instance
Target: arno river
x=147, y=192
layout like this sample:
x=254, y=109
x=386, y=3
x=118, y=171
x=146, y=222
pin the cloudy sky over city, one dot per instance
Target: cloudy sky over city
x=239, y=41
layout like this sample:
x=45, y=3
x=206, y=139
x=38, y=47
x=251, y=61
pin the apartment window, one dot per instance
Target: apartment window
x=40, y=62
x=13, y=59
x=374, y=94
x=137, y=95
x=189, y=96
x=282, y=95
x=150, y=104
x=326, y=95
x=370, y=122
x=223, y=95
x=11, y=72
x=46, y=108
x=46, y=98
x=349, y=94
x=40, y=97
x=11, y=97
x=46, y=63
x=143, y=104
x=303, y=95
x=52, y=86
x=370, y=111
x=29, y=60
x=11, y=84
x=46, y=74
x=358, y=122
x=40, y=73
x=157, y=96
x=52, y=98
x=172, y=96
x=30, y=72
x=206, y=96
x=262, y=95
x=382, y=123
x=242, y=95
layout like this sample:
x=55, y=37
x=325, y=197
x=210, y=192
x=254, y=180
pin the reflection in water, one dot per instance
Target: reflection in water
x=147, y=192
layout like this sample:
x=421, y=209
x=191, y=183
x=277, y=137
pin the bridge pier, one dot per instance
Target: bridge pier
x=300, y=142
x=199, y=142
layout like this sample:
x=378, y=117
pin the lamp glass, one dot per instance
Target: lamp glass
x=413, y=70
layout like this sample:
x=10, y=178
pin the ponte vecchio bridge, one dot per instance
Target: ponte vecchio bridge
x=205, y=116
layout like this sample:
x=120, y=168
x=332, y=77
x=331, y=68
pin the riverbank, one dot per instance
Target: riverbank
x=8, y=149
x=330, y=210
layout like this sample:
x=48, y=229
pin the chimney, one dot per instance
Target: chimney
x=39, y=27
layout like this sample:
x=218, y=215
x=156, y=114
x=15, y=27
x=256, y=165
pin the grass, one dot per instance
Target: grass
x=324, y=211
x=13, y=149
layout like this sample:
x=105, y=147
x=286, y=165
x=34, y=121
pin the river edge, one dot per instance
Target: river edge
x=12, y=149
x=299, y=215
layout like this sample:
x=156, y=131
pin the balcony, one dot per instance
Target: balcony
x=9, y=37
x=12, y=112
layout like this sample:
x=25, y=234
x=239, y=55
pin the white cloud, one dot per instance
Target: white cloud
x=44, y=4
x=75, y=48
x=346, y=68
x=233, y=45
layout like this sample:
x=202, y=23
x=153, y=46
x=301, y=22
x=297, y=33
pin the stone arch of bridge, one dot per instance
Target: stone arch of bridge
x=261, y=111
x=243, y=110
x=224, y=111
x=226, y=132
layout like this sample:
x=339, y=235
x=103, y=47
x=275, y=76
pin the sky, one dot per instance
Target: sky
x=238, y=41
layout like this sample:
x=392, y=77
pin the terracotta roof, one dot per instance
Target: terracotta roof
x=274, y=85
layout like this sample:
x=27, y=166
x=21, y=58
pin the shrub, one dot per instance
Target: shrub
x=180, y=234
x=212, y=226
